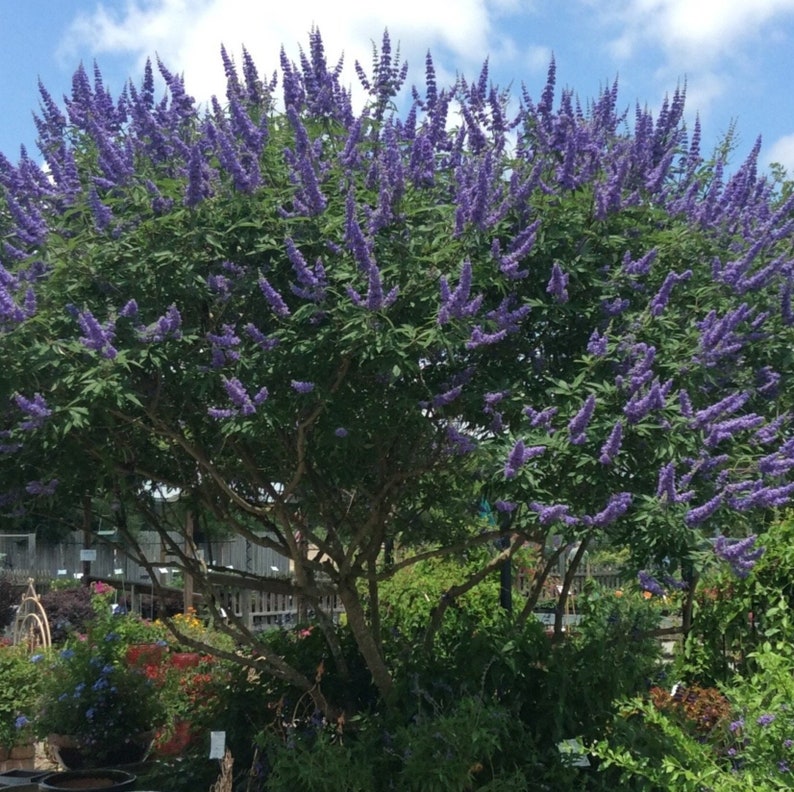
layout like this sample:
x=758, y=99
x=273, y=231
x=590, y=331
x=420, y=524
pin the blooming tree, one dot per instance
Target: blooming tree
x=332, y=328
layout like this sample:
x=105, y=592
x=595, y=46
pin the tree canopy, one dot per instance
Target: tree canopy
x=339, y=327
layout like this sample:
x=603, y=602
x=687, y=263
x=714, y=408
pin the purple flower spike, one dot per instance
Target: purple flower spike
x=701, y=513
x=443, y=399
x=36, y=409
x=741, y=554
x=550, y=514
x=611, y=447
x=578, y=424
x=341, y=432
x=302, y=387
x=597, y=345
x=616, y=507
x=238, y=396
x=274, y=299
x=42, y=488
x=521, y=455
x=97, y=337
x=558, y=284
x=129, y=310
x=649, y=583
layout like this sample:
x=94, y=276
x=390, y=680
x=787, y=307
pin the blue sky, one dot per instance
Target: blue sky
x=736, y=56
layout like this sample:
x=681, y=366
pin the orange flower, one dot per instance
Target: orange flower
x=619, y=593
x=647, y=594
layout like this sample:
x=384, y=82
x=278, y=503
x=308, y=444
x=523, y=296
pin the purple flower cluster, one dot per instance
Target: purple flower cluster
x=300, y=386
x=446, y=398
x=662, y=297
x=224, y=347
x=458, y=443
x=541, y=418
x=725, y=406
x=577, y=426
x=312, y=281
x=648, y=582
x=242, y=403
x=259, y=338
x=699, y=514
x=169, y=325
x=720, y=336
x=455, y=303
x=616, y=507
x=274, y=299
x=519, y=456
x=42, y=488
x=640, y=405
x=597, y=344
x=558, y=284
x=553, y=513
x=11, y=312
x=35, y=409
x=611, y=447
x=97, y=337
x=520, y=247
x=741, y=554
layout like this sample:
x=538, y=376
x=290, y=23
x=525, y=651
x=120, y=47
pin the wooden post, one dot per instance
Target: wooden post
x=190, y=547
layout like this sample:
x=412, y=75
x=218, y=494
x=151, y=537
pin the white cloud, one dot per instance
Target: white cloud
x=187, y=34
x=712, y=44
x=782, y=151
x=696, y=32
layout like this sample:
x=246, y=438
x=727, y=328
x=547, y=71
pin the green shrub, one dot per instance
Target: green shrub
x=19, y=681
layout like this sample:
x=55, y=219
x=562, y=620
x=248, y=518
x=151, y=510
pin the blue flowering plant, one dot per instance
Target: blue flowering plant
x=91, y=694
x=19, y=680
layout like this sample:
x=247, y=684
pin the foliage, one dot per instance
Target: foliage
x=19, y=681
x=733, y=614
x=333, y=329
x=9, y=597
x=696, y=708
x=190, y=686
x=734, y=739
x=484, y=707
x=92, y=694
x=407, y=599
x=69, y=610
x=461, y=748
x=185, y=630
x=612, y=654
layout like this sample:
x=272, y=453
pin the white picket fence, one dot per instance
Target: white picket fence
x=21, y=557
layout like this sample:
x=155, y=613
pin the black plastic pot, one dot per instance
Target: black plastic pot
x=108, y=780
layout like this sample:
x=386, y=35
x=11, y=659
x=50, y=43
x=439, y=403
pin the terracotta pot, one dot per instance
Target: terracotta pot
x=110, y=780
x=71, y=754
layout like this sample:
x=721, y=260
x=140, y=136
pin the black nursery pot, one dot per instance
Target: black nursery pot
x=109, y=780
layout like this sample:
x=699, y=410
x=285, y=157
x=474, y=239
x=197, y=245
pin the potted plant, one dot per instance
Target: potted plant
x=18, y=689
x=108, y=780
x=96, y=709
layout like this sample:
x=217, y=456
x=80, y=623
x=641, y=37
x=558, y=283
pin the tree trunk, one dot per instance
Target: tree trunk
x=366, y=642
